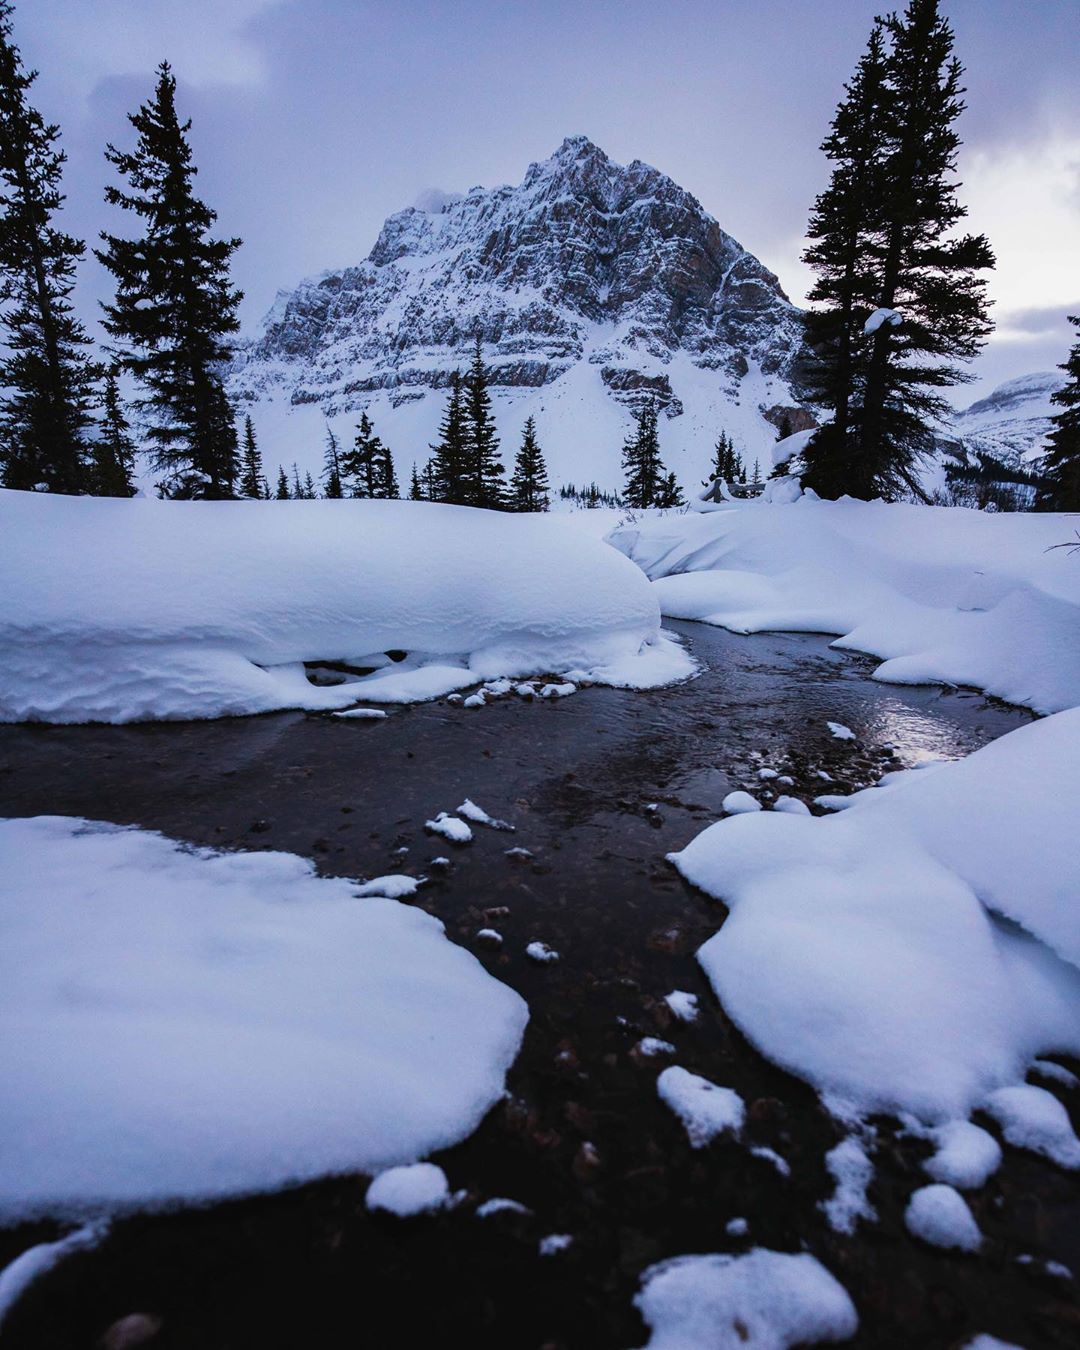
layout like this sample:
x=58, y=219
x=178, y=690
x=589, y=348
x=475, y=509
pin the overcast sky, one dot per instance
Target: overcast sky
x=315, y=119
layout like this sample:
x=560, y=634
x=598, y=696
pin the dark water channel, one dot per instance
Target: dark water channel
x=600, y=786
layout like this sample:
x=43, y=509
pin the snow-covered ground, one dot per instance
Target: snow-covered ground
x=116, y=611
x=183, y=1025
x=917, y=951
x=941, y=594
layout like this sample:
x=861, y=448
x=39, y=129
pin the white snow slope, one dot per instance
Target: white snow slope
x=866, y=951
x=942, y=594
x=183, y=1025
x=116, y=611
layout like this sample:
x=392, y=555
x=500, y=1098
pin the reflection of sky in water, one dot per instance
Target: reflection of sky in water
x=918, y=735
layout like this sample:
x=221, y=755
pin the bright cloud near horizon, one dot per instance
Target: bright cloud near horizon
x=315, y=119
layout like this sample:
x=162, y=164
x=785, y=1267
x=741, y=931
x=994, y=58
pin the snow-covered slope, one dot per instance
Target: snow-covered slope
x=1010, y=423
x=591, y=284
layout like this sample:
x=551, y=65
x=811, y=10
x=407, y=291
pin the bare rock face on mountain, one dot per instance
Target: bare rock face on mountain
x=585, y=262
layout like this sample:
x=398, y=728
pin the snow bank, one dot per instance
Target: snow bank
x=116, y=611
x=763, y=1300
x=183, y=1025
x=864, y=951
x=942, y=594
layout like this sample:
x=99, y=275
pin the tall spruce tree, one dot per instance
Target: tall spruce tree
x=45, y=373
x=332, y=484
x=844, y=228
x=416, y=486
x=645, y=474
x=447, y=469
x=175, y=306
x=1061, y=465
x=282, y=494
x=529, y=487
x=252, y=480
x=484, y=468
x=113, y=451
x=904, y=293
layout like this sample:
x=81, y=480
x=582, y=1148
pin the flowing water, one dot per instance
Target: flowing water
x=600, y=786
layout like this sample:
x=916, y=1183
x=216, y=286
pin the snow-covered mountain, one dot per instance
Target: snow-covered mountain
x=1011, y=423
x=592, y=285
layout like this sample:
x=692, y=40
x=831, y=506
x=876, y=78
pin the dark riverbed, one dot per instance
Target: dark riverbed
x=600, y=786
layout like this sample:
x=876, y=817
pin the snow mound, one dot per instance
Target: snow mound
x=144, y=609
x=763, y=1300
x=864, y=951
x=183, y=1025
x=939, y=1215
x=1033, y=1118
x=418, y=1188
x=966, y=1155
x=942, y=594
x=705, y=1109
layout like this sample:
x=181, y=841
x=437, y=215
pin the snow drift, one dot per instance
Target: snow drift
x=183, y=1025
x=117, y=611
x=942, y=594
x=917, y=951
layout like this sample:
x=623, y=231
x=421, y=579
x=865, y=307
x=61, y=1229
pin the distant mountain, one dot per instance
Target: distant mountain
x=592, y=286
x=1012, y=422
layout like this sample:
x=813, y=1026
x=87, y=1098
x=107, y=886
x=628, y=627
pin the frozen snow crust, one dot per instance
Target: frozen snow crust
x=143, y=609
x=184, y=1025
x=940, y=593
x=866, y=951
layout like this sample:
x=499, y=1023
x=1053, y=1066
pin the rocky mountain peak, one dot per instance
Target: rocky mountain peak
x=585, y=263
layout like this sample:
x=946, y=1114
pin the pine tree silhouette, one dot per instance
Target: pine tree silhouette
x=175, y=307
x=529, y=488
x=45, y=374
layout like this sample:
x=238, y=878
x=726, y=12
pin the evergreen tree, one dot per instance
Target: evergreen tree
x=282, y=494
x=755, y=477
x=1061, y=465
x=529, y=488
x=727, y=464
x=930, y=278
x=367, y=470
x=416, y=487
x=113, y=454
x=45, y=373
x=786, y=429
x=384, y=477
x=309, y=487
x=484, y=468
x=332, y=485
x=844, y=228
x=252, y=481
x=641, y=461
x=296, y=491
x=447, y=470
x=175, y=307
x=887, y=251
x=669, y=493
